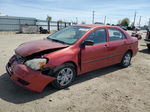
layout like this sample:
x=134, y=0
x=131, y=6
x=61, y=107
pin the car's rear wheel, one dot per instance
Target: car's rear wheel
x=148, y=46
x=126, y=60
x=65, y=75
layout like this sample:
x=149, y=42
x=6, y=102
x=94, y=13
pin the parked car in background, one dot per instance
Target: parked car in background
x=147, y=39
x=137, y=35
x=123, y=27
x=72, y=51
x=130, y=28
x=137, y=28
x=100, y=23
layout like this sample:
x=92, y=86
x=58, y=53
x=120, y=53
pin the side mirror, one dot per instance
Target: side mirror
x=87, y=43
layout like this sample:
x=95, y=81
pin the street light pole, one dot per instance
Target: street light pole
x=149, y=24
x=93, y=17
x=134, y=18
x=140, y=21
x=76, y=20
x=105, y=20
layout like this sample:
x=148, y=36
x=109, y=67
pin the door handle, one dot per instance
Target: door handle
x=106, y=45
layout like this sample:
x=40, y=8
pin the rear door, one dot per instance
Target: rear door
x=117, y=45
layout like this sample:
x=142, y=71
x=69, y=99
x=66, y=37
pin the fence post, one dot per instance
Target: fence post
x=58, y=25
x=19, y=25
x=69, y=24
x=35, y=22
x=49, y=25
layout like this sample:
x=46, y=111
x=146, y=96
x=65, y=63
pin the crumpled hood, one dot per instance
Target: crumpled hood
x=32, y=47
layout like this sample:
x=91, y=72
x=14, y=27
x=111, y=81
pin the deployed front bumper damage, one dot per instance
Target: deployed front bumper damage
x=27, y=78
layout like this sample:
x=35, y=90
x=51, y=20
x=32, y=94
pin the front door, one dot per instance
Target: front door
x=94, y=56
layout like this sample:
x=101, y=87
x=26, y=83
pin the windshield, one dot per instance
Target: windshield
x=69, y=35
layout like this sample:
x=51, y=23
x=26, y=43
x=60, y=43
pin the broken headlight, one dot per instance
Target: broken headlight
x=36, y=64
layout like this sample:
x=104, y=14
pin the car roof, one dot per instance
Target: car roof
x=95, y=25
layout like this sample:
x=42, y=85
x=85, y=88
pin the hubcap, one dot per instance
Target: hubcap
x=65, y=76
x=127, y=59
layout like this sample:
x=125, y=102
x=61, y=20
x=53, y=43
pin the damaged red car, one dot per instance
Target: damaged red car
x=72, y=51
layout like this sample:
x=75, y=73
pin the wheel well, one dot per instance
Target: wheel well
x=130, y=52
x=73, y=63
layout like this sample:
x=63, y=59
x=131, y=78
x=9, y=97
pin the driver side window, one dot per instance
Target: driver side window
x=97, y=36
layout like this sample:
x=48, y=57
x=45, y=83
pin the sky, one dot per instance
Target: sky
x=79, y=10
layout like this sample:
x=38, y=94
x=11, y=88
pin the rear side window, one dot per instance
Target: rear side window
x=115, y=34
x=97, y=36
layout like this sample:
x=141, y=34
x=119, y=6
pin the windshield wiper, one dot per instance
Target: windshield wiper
x=58, y=41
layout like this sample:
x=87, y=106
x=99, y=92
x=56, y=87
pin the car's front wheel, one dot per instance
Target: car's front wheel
x=65, y=75
x=126, y=60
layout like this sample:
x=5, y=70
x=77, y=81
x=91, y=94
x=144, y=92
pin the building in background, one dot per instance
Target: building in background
x=11, y=23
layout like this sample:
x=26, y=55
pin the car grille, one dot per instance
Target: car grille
x=20, y=59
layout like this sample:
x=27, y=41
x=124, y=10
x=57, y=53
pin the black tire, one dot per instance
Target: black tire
x=57, y=73
x=127, y=56
x=148, y=46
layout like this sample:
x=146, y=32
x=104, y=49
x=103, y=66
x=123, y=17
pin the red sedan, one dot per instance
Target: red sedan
x=72, y=51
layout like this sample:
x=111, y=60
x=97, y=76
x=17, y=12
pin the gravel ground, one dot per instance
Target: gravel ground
x=110, y=89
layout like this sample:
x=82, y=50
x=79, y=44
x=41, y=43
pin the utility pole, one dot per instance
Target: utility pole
x=93, y=17
x=76, y=20
x=149, y=24
x=134, y=18
x=140, y=22
x=104, y=20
